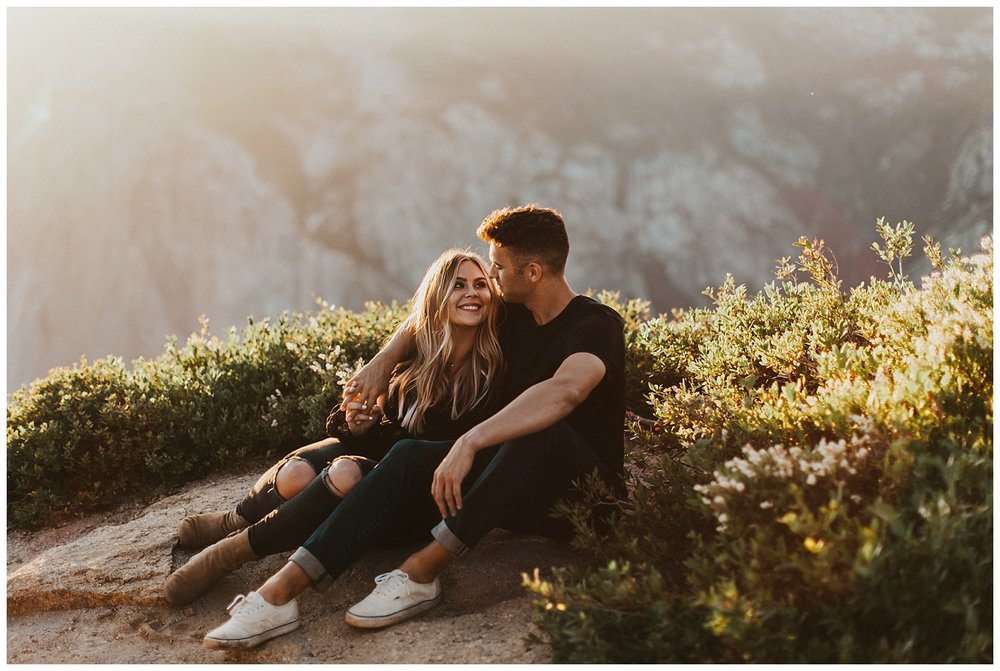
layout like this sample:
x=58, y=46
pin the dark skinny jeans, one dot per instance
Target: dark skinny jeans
x=280, y=525
x=511, y=486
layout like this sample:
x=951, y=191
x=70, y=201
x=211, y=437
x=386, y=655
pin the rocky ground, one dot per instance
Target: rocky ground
x=90, y=592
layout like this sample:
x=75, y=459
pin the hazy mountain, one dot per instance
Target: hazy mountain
x=168, y=163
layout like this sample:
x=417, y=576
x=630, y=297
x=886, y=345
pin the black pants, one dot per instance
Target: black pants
x=518, y=485
x=513, y=486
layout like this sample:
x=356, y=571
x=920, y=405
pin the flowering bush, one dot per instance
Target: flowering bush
x=817, y=486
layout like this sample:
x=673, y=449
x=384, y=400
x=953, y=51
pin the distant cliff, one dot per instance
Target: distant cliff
x=168, y=163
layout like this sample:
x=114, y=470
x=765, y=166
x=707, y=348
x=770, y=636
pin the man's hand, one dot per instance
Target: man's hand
x=368, y=384
x=447, y=485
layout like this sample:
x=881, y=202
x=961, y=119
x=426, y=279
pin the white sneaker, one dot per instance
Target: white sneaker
x=394, y=599
x=252, y=622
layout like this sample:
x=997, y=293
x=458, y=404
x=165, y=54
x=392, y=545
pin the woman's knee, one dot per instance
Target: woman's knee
x=342, y=476
x=293, y=476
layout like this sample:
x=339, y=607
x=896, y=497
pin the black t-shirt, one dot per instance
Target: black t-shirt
x=533, y=353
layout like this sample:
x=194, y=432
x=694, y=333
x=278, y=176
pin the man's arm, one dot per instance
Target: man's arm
x=537, y=407
x=372, y=380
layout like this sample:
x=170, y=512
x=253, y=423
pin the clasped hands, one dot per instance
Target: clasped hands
x=364, y=398
x=360, y=417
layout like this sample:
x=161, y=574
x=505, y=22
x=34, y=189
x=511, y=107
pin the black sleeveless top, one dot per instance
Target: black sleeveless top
x=438, y=424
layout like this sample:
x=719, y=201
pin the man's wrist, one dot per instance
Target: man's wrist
x=379, y=360
x=472, y=440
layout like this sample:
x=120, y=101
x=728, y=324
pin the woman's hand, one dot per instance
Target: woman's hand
x=360, y=417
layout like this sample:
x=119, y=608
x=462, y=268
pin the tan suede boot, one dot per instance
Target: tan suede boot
x=197, y=531
x=208, y=567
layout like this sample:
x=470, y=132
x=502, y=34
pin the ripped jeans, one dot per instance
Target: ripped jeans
x=279, y=525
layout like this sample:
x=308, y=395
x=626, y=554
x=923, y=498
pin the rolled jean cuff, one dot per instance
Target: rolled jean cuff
x=448, y=540
x=314, y=569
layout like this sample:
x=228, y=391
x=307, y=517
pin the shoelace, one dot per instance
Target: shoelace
x=389, y=583
x=241, y=606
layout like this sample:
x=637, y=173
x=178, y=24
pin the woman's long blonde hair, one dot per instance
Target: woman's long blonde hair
x=423, y=381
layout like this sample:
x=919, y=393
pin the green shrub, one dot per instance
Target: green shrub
x=818, y=483
x=635, y=313
x=87, y=437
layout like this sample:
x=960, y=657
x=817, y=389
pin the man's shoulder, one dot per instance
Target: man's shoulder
x=587, y=306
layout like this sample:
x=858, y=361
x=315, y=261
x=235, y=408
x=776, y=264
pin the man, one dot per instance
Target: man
x=565, y=358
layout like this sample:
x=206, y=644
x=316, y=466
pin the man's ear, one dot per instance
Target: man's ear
x=533, y=271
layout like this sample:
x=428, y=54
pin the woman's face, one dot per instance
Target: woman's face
x=470, y=298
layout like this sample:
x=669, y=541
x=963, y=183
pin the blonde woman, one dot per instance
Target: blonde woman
x=445, y=388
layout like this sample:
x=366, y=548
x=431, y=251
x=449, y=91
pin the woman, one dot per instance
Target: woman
x=445, y=389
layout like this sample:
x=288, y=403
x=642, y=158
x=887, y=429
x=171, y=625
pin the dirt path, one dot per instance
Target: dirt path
x=89, y=592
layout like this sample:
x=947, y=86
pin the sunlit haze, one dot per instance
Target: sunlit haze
x=169, y=163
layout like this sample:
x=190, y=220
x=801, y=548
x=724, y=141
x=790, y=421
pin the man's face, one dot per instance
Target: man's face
x=506, y=274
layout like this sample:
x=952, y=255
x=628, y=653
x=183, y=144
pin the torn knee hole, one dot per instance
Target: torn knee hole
x=341, y=476
x=293, y=476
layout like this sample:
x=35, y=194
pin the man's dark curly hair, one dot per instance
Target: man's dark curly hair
x=531, y=233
